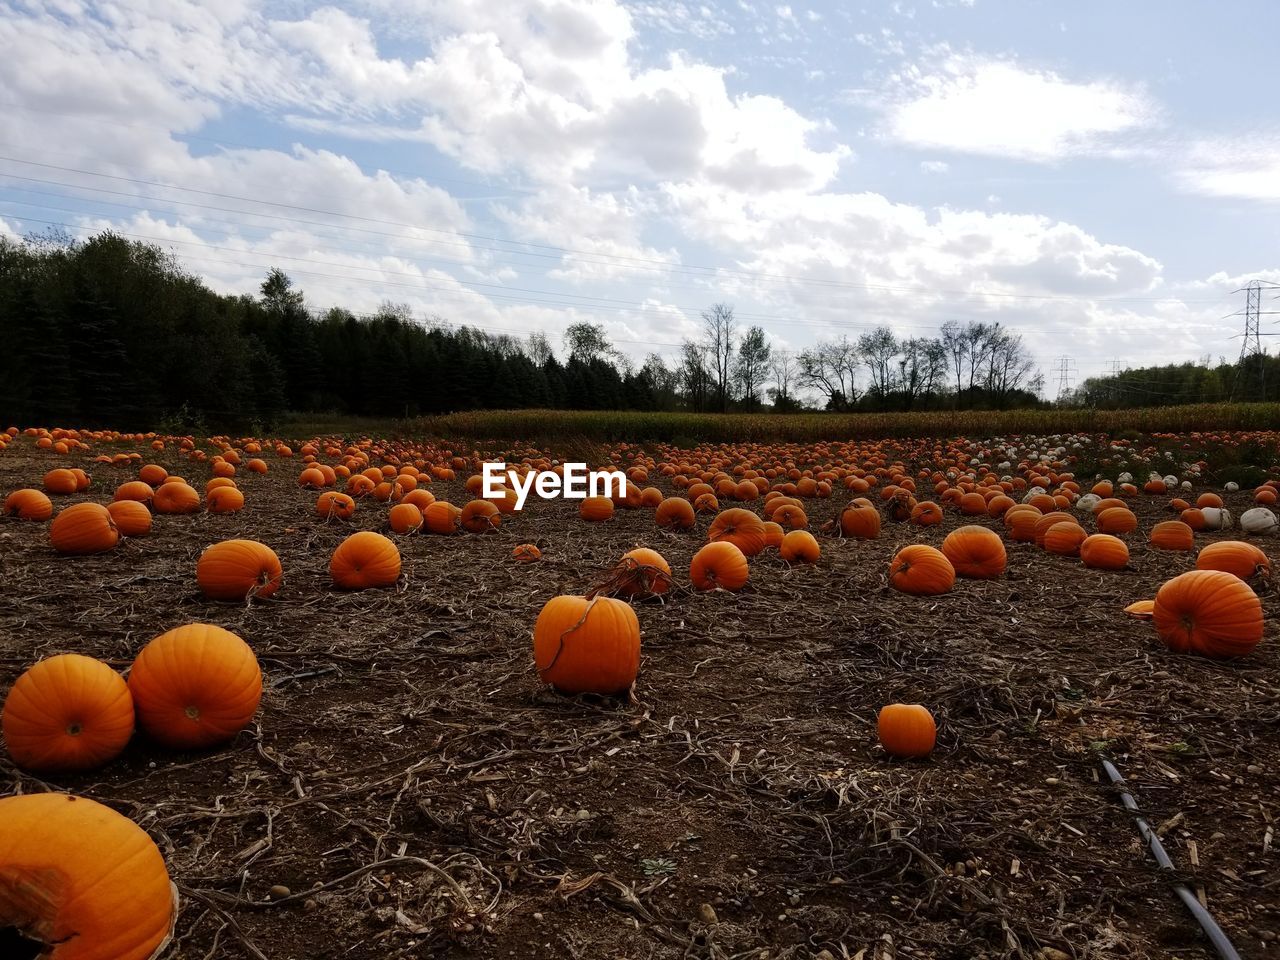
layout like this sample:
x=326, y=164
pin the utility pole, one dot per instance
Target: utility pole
x=1113, y=371
x=1251, y=343
x=1066, y=369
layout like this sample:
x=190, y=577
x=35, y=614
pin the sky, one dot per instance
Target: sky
x=1098, y=176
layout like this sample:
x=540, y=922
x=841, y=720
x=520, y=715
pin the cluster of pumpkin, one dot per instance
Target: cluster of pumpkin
x=195, y=686
x=236, y=570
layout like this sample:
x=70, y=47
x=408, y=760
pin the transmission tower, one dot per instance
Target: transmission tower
x=1251, y=343
x=1066, y=370
x=1114, y=368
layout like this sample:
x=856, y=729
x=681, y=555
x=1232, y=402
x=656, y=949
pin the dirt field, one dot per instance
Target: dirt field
x=421, y=795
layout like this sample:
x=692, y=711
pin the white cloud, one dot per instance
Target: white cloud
x=994, y=107
x=1246, y=167
x=934, y=166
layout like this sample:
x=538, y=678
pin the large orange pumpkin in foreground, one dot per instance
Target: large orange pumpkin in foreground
x=906, y=730
x=975, y=552
x=587, y=646
x=82, y=879
x=1209, y=612
x=68, y=712
x=195, y=686
x=368, y=559
x=83, y=528
x=235, y=569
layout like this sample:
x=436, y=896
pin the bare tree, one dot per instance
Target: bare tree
x=719, y=333
x=695, y=378
x=956, y=348
x=751, y=367
x=878, y=350
x=921, y=368
x=785, y=370
x=832, y=367
x=539, y=348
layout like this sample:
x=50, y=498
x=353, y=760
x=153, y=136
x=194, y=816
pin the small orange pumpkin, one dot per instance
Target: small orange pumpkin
x=368, y=559
x=906, y=730
x=719, y=564
x=235, y=570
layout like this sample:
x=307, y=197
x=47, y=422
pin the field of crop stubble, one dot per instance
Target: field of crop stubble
x=421, y=793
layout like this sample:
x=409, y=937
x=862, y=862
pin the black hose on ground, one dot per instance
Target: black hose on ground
x=1210, y=926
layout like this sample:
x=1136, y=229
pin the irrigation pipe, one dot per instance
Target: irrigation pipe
x=1210, y=926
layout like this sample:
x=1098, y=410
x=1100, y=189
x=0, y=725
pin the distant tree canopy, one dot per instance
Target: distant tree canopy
x=111, y=332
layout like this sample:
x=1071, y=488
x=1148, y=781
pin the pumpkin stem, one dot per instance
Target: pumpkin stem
x=193, y=713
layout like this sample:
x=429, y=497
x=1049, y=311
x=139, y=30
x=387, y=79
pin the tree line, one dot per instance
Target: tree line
x=118, y=333
x=1253, y=378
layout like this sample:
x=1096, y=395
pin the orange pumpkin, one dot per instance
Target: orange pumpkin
x=642, y=573
x=526, y=553
x=238, y=569
x=596, y=509
x=861, y=522
x=368, y=559
x=741, y=527
x=443, y=517
x=132, y=519
x=921, y=569
x=1115, y=520
x=134, y=490
x=175, y=497
x=799, y=546
x=1101, y=551
x=926, y=513
x=60, y=481
x=224, y=500
x=1209, y=612
x=587, y=646
x=975, y=552
x=66, y=713
x=28, y=505
x=906, y=730
x=331, y=503
x=720, y=564
x=83, y=528
x=674, y=513
x=81, y=881
x=1064, y=538
x=196, y=686
x=405, y=518
x=1172, y=535
x=480, y=516
x=1235, y=556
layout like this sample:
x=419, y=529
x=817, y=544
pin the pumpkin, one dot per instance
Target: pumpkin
x=587, y=646
x=926, y=513
x=861, y=522
x=773, y=534
x=1047, y=520
x=196, y=686
x=921, y=569
x=1234, y=556
x=405, y=518
x=973, y=503
x=707, y=503
x=238, y=569
x=642, y=573
x=1102, y=551
x=224, y=500
x=83, y=528
x=526, y=553
x=1064, y=538
x=60, y=481
x=132, y=519
x=153, y=474
x=67, y=713
x=975, y=552
x=1172, y=535
x=480, y=516
x=331, y=503
x=134, y=490
x=1216, y=518
x=1116, y=520
x=674, y=513
x=906, y=730
x=1258, y=521
x=742, y=528
x=1208, y=612
x=81, y=881
x=368, y=559
x=1142, y=609
x=1207, y=499
x=790, y=517
x=28, y=505
x=443, y=517
x=176, y=497
x=799, y=546
x=596, y=509
x=420, y=498
x=720, y=564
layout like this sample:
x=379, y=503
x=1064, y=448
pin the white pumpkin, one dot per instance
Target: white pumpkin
x=1171, y=481
x=1186, y=484
x=1231, y=486
x=1087, y=502
x=1216, y=518
x=1258, y=521
x=1125, y=478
